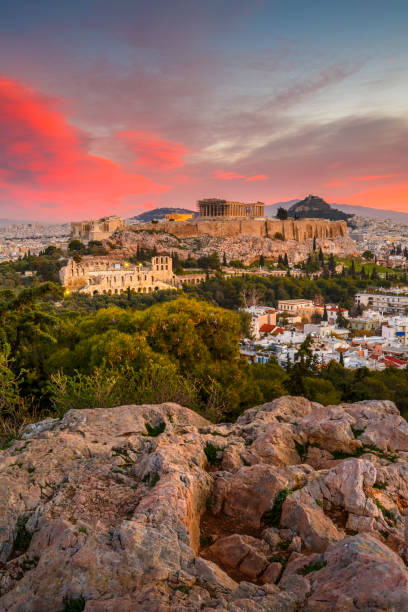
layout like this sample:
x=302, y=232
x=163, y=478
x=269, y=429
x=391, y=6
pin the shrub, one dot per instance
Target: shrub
x=73, y=604
x=211, y=452
x=272, y=517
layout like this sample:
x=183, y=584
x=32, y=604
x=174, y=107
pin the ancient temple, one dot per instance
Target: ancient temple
x=214, y=207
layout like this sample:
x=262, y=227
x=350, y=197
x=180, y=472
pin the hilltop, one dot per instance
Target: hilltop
x=296, y=506
x=315, y=207
x=361, y=211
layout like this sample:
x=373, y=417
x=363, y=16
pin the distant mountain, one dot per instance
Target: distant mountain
x=361, y=211
x=159, y=214
x=317, y=208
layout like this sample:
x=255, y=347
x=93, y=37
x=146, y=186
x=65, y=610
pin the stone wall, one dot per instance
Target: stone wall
x=291, y=229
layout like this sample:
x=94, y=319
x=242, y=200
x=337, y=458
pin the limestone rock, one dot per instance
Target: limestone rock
x=120, y=509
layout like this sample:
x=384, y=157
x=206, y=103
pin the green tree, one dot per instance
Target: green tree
x=282, y=213
x=76, y=246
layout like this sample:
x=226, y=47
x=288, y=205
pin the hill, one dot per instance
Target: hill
x=361, y=211
x=315, y=207
x=159, y=214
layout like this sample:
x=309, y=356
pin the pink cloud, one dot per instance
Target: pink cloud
x=153, y=151
x=46, y=164
x=229, y=176
x=373, y=177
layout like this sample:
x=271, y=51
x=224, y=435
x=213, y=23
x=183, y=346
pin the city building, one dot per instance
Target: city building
x=214, y=207
x=96, y=229
x=388, y=303
x=263, y=320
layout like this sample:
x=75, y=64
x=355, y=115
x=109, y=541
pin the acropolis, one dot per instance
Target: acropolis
x=95, y=229
x=215, y=207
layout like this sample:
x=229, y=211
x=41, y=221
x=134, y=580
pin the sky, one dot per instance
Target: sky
x=120, y=107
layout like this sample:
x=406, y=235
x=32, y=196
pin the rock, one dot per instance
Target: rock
x=361, y=573
x=314, y=528
x=272, y=573
x=96, y=510
x=213, y=575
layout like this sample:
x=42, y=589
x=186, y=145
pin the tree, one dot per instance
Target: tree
x=341, y=321
x=224, y=259
x=374, y=274
x=286, y=260
x=368, y=255
x=321, y=256
x=282, y=213
x=261, y=260
x=314, y=243
x=76, y=246
x=325, y=317
x=332, y=264
x=341, y=359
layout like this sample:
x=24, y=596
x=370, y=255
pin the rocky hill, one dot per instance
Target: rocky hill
x=296, y=506
x=244, y=239
x=315, y=207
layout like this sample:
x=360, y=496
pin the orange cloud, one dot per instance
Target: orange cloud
x=229, y=176
x=45, y=162
x=393, y=197
x=153, y=151
x=373, y=177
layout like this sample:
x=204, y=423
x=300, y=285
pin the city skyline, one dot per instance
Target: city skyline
x=117, y=109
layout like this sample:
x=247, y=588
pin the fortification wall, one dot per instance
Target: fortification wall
x=291, y=229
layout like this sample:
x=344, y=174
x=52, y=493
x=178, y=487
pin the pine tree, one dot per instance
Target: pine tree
x=341, y=359
x=280, y=260
x=332, y=264
x=261, y=261
x=314, y=243
x=321, y=256
x=325, y=316
x=353, y=269
x=224, y=260
x=286, y=260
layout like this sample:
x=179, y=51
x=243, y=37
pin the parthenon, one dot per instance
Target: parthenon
x=214, y=207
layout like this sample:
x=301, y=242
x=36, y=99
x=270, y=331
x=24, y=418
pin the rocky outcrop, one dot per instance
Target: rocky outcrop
x=244, y=247
x=153, y=508
x=291, y=229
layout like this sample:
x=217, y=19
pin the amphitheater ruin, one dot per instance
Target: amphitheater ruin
x=104, y=275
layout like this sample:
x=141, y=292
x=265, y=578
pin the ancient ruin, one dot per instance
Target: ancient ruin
x=95, y=229
x=215, y=207
x=108, y=275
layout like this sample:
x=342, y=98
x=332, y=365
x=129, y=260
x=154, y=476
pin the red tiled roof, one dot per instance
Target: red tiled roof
x=266, y=327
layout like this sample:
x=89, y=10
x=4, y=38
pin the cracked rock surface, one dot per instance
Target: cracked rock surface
x=296, y=506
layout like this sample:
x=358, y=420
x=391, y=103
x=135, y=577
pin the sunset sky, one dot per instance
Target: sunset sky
x=115, y=107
